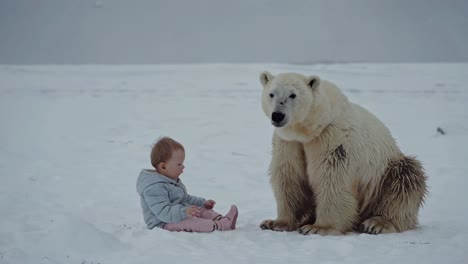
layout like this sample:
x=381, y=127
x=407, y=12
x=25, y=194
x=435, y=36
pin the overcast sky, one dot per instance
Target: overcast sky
x=222, y=31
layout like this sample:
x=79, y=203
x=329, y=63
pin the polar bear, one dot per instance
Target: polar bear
x=335, y=167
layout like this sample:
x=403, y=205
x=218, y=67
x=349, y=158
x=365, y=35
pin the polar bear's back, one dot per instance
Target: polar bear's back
x=371, y=144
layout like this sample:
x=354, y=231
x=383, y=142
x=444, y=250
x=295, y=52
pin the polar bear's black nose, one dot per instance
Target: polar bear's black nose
x=277, y=117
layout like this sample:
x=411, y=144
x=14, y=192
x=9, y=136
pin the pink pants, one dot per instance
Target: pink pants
x=204, y=223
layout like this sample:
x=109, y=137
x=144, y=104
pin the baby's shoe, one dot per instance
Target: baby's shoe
x=224, y=224
x=232, y=216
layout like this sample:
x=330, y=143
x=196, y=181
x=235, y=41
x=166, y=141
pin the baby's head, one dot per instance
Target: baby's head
x=167, y=157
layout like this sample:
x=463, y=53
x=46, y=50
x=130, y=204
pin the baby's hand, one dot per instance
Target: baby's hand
x=193, y=211
x=209, y=204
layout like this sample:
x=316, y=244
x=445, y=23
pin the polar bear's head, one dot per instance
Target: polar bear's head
x=288, y=97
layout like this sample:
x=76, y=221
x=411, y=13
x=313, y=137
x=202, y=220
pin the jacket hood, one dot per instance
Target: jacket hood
x=150, y=177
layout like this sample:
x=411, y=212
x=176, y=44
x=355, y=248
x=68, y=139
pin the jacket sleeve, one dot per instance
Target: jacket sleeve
x=157, y=198
x=194, y=200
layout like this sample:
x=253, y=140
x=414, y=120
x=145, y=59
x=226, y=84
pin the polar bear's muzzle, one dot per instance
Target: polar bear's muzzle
x=278, y=119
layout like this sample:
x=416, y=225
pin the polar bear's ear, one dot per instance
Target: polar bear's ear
x=313, y=81
x=265, y=77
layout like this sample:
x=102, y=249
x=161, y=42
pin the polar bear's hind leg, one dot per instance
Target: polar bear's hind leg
x=401, y=194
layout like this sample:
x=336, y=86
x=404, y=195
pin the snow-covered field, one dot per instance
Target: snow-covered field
x=74, y=138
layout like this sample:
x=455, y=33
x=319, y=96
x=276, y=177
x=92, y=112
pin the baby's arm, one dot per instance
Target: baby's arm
x=194, y=200
x=157, y=198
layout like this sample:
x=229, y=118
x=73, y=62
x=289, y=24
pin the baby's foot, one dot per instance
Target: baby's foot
x=224, y=224
x=232, y=216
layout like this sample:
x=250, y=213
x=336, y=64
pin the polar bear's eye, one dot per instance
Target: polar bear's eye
x=292, y=96
x=271, y=95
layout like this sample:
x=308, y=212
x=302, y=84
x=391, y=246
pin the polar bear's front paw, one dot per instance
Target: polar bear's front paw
x=276, y=225
x=323, y=231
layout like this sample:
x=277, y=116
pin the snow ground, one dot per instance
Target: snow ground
x=74, y=138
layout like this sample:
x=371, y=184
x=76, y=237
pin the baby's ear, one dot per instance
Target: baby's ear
x=161, y=166
x=265, y=77
x=313, y=82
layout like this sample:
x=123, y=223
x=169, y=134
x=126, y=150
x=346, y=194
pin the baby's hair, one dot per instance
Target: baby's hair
x=162, y=150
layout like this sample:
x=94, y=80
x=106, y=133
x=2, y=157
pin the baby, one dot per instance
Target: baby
x=164, y=198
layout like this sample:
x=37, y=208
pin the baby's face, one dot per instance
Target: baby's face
x=174, y=167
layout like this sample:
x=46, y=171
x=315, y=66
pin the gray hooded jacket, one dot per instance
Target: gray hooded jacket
x=163, y=200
